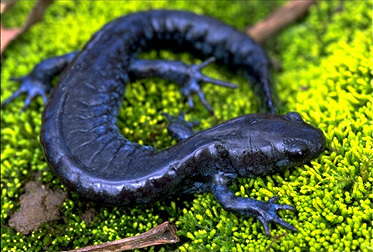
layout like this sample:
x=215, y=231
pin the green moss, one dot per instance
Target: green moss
x=326, y=77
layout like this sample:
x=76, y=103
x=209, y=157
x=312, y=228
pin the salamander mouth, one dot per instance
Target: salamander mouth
x=283, y=162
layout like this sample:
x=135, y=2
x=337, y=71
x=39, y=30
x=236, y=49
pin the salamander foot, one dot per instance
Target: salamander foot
x=265, y=212
x=30, y=86
x=191, y=86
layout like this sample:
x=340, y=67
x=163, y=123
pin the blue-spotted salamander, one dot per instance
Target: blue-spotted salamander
x=85, y=149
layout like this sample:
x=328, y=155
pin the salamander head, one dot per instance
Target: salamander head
x=260, y=143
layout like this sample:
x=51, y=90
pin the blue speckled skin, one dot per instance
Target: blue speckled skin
x=85, y=149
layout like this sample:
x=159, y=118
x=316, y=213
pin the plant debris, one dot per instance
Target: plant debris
x=279, y=19
x=89, y=215
x=164, y=233
x=38, y=205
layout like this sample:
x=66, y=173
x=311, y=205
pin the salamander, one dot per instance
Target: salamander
x=84, y=148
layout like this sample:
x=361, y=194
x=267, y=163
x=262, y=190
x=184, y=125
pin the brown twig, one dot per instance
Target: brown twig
x=164, y=233
x=6, y=5
x=36, y=15
x=279, y=19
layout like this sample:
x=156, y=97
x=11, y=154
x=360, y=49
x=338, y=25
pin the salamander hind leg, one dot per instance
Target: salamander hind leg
x=188, y=77
x=265, y=212
x=37, y=82
x=29, y=86
x=191, y=85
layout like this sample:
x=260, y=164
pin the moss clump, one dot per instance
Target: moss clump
x=326, y=77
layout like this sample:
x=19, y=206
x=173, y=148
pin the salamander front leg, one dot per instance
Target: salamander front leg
x=265, y=212
x=37, y=82
x=188, y=77
x=178, y=127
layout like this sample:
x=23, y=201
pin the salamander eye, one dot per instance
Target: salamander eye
x=297, y=149
x=294, y=116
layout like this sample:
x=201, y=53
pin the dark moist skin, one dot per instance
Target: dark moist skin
x=85, y=149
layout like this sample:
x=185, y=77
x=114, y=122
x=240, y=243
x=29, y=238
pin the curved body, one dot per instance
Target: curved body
x=79, y=134
x=85, y=149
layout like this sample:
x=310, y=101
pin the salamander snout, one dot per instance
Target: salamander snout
x=306, y=143
x=299, y=152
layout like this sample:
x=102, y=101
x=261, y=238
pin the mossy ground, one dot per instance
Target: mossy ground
x=326, y=76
